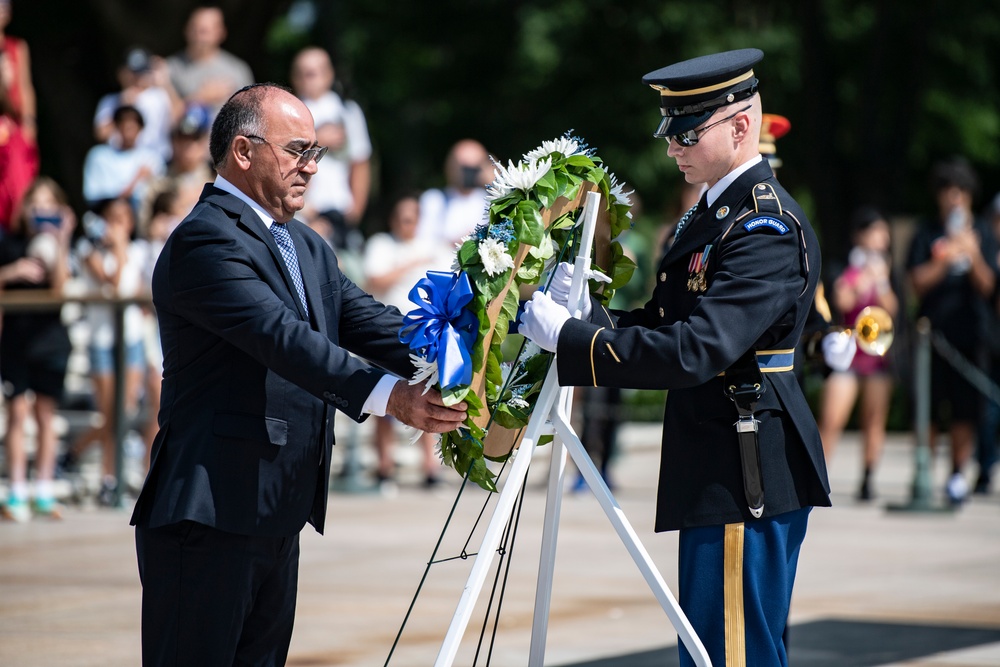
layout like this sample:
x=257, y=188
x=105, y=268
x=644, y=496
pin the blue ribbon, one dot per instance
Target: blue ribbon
x=441, y=326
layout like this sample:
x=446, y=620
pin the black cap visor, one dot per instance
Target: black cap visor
x=673, y=125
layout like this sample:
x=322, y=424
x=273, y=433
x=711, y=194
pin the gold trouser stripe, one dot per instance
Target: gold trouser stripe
x=593, y=369
x=666, y=92
x=736, y=649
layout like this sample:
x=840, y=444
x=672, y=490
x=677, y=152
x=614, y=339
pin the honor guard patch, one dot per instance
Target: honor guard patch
x=760, y=223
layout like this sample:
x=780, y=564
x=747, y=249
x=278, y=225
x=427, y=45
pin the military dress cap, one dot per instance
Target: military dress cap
x=690, y=91
x=772, y=128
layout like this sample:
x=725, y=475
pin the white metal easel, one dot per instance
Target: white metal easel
x=551, y=414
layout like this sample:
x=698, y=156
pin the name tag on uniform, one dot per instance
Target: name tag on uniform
x=765, y=223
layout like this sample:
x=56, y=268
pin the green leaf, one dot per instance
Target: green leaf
x=468, y=253
x=579, y=160
x=510, y=304
x=482, y=475
x=475, y=404
x=547, y=188
x=532, y=230
x=454, y=395
x=483, y=284
x=530, y=271
x=622, y=272
x=507, y=417
x=494, y=372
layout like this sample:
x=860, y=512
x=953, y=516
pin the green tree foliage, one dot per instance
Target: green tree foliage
x=876, y=90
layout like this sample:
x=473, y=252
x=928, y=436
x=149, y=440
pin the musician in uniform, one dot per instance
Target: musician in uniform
x=742, y=463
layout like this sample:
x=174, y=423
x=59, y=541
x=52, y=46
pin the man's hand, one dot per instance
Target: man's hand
x=426, y=412
x=542, y=321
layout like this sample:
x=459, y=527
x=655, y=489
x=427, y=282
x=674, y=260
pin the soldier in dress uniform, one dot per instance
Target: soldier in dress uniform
x=742, y=462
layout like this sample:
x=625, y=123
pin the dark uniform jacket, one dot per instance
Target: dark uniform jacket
x=761, y=263
x=250, y=382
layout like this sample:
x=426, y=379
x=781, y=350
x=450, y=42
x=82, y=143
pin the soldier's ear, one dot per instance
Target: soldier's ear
x=742, y=122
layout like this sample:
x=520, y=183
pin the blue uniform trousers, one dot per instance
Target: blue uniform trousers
x=736, y=586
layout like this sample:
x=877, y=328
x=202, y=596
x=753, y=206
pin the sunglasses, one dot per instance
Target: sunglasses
x=305, y=157
x=692, y=137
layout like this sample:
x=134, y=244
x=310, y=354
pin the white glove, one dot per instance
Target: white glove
x=542, y=321
x=838, y=350
x=561, y=282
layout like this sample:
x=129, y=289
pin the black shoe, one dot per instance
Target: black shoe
x=865, y=492
x=67, y=464
x=107, y=496
x=431, y=482
x=982, y=487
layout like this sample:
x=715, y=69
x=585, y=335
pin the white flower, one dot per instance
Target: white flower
x=426, y=370
x=518, y=403
x=564, y=145
x=618, y=193
x=531, y=349
x=521, y=177
x=495, y=258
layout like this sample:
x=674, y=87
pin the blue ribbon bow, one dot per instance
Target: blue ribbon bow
x=441, y=326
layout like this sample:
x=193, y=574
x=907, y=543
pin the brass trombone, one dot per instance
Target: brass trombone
x=873, y=330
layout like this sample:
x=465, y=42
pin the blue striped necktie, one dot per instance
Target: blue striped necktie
x=287, y=248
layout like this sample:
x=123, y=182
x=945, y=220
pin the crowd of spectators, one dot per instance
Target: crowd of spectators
x=146, y=170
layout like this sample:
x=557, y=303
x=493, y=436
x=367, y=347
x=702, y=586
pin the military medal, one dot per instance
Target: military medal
x=696, y=270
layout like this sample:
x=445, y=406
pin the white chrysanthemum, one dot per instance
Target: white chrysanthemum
x=617, y=191
x=495, y=257
x=531, y=349
x=521, y=177
x=518, y=403
x=564, y=145
x=426, y=372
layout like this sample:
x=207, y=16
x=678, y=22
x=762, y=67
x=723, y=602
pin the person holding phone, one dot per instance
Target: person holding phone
x=35, y=346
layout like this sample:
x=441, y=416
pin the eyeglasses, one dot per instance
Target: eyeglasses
x=692, y=137
x=305, y=157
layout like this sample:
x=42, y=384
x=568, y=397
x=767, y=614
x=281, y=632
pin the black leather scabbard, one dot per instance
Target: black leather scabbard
x=744, y=386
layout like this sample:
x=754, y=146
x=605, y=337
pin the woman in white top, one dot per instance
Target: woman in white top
x=393, y=263
x=113, y=267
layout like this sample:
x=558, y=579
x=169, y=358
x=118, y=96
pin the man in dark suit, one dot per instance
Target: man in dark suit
x=257, y=323
x=742, y=461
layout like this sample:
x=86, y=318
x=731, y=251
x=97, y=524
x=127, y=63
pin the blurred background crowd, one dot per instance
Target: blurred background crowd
x=106, y=107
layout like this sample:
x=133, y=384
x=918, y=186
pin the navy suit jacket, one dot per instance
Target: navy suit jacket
x=250, y=382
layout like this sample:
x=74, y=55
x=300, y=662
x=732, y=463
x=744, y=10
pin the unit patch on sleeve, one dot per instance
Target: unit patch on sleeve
x=765, y=222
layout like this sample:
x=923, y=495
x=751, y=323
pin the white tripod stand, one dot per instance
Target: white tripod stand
x=551, y=413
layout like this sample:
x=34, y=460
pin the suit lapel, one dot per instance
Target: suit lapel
x=310, y=277
x=251, y=222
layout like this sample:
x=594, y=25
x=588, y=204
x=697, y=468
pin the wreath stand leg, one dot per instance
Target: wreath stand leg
x=552, y=414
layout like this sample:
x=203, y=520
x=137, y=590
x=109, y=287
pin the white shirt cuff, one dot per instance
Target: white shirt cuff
x=378, y=400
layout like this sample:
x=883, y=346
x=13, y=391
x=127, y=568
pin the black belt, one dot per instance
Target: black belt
x=744, y=386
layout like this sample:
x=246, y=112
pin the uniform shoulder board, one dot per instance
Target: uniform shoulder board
x=765, y=201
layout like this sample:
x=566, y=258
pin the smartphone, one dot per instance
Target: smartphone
x=40, y=219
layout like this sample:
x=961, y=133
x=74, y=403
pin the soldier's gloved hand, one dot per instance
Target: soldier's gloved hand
x=560, y=285
x=839, y=348
x=542, y=321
